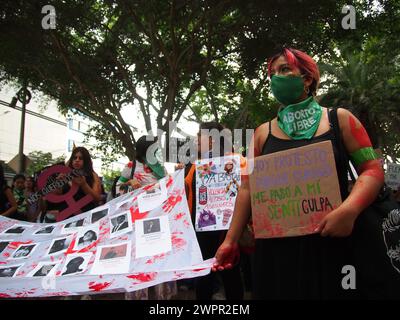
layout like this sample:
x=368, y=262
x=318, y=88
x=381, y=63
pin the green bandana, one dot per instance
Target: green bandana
x=300, y=120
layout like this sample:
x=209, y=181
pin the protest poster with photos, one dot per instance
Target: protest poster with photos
x=292, y=190
x=217, y=184
x=112, y=248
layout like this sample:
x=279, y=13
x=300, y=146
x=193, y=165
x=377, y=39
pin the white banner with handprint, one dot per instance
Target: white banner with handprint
x=217, y=185
x=98, y=251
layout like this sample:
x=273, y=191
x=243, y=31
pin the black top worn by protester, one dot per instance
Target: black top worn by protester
x=303, y=267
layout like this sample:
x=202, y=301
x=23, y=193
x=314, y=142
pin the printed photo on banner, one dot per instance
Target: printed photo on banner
x=9, y=271
x=75, y=224
x=86, y=236
x=125, y=204
x=59, y=245
x=217, y=185
x=98, y=215
x=23, y=251
x=73, y=227
x=153, y=197
x=76, y=263
x=45, y=231
x=44, y=269
x=153, y=236
x=3, y=245
x=292, y=191
x=120, y=224
x=16, y=229
x=112, y=259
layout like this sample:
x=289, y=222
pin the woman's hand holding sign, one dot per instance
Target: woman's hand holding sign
x=338, y=223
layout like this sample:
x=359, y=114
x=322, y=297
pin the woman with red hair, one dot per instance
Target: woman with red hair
x=309, y=266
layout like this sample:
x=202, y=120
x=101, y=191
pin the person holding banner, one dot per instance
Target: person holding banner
x=307, y=266
x=136, y=175
x=210, y=240
x=141, y=172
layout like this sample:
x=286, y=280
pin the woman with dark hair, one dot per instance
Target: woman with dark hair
x=8, y=205
x=89, y=183
x=19, y=195
x=210, y=146
x=33, y=206
x=88, y=238
x=74, y=266
x=310, y=266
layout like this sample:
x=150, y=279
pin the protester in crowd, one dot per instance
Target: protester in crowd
x=33, y=204
x=8, y=204
x=19, y=195
x=142, y=172
x=89, y=183
x=305, y=267
x=209, y=241
x=138, y=174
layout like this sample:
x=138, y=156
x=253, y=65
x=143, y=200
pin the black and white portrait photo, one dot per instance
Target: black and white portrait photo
x=119, y=224
x=75, y=224
x=44, y=270
x=98, y=215
x=8, y=271
x=15, y=230
x=151, y=226
x=3, y=245
x=59, y=245
x=76, y=263
x=23, y=251
x=46, y=230
x=88, y=238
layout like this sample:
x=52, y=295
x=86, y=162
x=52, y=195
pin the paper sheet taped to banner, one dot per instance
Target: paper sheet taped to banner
x=95, y=252
x=292, y=190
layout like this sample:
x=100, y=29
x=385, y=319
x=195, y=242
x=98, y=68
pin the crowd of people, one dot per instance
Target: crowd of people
x=289, y=267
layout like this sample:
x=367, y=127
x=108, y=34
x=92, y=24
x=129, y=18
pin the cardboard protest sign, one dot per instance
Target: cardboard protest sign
x=292, y=190
x=392, y=176
x=217, y=185
x=98, y=251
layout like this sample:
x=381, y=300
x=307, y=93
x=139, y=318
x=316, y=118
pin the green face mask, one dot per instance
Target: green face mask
x=300, y=120
x=287, y=89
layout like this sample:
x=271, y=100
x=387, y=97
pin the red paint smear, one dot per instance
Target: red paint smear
x=359, y=133
x=155, y=258
x=71, y=245
x=99, y=286
x=373, y=169
x=179, y=216
x=3, y=262
x=169, y=182
x=4, y=295
x=172, y=201
x=186, y=223
x=143, y=277
x=6, y=254
x=58, y=273
x=136, y=215
x=16, y=244
x=178, y=243
x=198, y=270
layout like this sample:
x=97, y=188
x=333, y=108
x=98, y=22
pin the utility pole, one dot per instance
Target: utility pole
x=24, y=96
